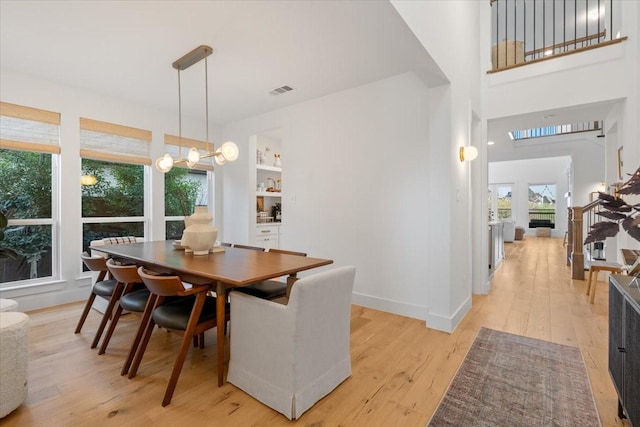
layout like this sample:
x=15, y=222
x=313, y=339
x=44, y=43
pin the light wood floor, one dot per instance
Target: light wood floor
x=400, y=368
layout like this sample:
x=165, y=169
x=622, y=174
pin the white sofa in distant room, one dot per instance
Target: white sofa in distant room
x=13, y=360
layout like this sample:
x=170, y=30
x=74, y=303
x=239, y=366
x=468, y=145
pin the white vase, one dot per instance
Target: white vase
x=199, y=234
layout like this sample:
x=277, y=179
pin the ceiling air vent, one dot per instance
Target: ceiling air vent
x=280, y=90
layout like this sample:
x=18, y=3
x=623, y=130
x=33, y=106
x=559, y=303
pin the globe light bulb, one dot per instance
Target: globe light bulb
x=230, y=151
x=193, y=156
x=164, y=163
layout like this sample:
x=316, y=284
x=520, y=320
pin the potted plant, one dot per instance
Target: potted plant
x=618, y=212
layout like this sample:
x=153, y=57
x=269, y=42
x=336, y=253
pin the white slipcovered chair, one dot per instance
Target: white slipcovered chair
x=509, y=230
x=290, y=356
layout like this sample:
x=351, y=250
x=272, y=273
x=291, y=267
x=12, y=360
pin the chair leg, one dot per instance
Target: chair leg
x=592, y=291
x=201, y=340
x=112, y=327
x=589, y=282
x=144, y=321
x=195, y=341
x=107, y=314
x=85, y=312
x=141, y=349
x=184, y=348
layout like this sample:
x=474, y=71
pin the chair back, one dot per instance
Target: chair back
x=282, y=251
x=253, y=248
x=164, y=286
x=123, y=273
x=94, y=263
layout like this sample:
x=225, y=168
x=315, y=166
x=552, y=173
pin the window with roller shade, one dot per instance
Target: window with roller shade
x=185, y=188
x=114, y=188
x=29, y=151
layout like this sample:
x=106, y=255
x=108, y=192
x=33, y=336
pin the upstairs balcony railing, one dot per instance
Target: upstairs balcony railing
x=525, y=31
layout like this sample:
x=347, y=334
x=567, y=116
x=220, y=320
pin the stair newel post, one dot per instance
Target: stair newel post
x=577, y=254
x=569, y=235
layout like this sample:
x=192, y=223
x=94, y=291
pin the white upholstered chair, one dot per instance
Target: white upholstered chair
x=290, y=356
x=509, y=230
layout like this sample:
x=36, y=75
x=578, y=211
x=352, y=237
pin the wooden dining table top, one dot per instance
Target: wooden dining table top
x=233, y=266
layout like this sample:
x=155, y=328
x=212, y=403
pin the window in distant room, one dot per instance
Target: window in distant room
x=29, y=149
x=542, y=205
x=504, y=201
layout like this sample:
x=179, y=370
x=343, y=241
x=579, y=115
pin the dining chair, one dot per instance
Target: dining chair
x=105, y=287
x=253, y=248
x=291, y=356
x=134, y=296
x=188, y=317
x=269, y=289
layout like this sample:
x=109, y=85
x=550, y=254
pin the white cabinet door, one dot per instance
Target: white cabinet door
x=268, y=241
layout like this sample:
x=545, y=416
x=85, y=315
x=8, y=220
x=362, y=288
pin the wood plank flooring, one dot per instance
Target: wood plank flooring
x=401, y=369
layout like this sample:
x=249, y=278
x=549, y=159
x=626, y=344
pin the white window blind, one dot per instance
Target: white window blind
x=114, y=143
x=29, y=129
x=172, y=145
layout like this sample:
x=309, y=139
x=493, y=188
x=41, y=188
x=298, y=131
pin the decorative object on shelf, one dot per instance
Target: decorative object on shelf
x=259, y=157
x=199, y=234
x=228, y=152
x=277, y=162
x=468, y=153
x=263, y=156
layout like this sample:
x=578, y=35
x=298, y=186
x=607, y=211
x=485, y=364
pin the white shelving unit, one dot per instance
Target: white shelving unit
x=265, y=234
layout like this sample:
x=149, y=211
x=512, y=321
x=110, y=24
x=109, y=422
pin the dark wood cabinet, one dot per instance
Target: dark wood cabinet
x=624, y=346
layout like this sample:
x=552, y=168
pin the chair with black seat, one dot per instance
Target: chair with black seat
x=134, y=296
x=189, y=317
x=105, y=287
x=269, y=289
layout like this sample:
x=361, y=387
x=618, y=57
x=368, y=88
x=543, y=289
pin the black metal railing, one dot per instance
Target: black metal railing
x=531, y=30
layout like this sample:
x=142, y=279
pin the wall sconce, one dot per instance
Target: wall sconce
x=468, y=153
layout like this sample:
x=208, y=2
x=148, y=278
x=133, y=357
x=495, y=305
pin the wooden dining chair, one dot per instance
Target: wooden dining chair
x=269, y=289
x=105, y=287
x=189, y=317
x=253, y=248
x=134, y=296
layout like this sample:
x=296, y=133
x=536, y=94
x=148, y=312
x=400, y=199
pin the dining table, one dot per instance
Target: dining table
x=223, y=268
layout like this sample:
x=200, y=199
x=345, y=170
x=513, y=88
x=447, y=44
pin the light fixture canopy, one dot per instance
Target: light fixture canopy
x=228, y=152
x=468, y=153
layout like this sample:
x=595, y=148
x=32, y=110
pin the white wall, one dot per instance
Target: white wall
x=355, y=187
x=522, y=173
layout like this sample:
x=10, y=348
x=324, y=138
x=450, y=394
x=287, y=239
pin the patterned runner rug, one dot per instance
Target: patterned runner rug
x=510, y=380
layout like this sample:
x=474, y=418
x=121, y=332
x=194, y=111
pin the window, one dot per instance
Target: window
x=113, y=180
x=184, y=188
x=29, y=148
x=542, y=205
x=504, y=202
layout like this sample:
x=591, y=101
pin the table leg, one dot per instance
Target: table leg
x=220, y=321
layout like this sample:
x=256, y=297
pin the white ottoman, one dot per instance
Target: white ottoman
x=8, y=304
x=13, y=360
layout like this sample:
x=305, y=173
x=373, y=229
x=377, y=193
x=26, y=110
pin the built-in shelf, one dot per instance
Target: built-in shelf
x=269, y=193
x=268, y=168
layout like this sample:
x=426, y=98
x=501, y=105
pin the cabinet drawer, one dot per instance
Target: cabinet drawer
x=267, y=241
x=267, y=230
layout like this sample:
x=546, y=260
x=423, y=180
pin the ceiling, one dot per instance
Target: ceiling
x=553, y=146
x=125, y=49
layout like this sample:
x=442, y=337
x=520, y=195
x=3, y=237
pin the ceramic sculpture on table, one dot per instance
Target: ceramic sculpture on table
x=199, y=234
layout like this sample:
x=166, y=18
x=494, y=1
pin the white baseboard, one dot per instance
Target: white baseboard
x=390, y=306
x=449, y=324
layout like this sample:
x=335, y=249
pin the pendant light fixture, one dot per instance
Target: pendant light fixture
x=228, y=152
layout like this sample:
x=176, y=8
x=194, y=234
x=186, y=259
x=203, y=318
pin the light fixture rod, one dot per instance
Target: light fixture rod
x=179, y=117
x=206, y=100
x=192, y=57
